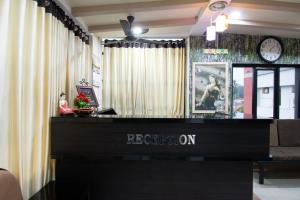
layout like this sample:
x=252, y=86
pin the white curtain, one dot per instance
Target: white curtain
x=141, y=81
x=34, y=70
x=79, y=57
x=97, y=51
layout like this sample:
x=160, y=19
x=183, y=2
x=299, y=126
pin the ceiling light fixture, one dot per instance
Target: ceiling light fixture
x=218, y=5
x=221, y=23
x=211, y=33
x=137, y=30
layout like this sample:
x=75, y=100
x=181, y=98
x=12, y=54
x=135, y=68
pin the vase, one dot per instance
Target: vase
x=83, y=112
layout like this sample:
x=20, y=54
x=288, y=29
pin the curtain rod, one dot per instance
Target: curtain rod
x=59, y=13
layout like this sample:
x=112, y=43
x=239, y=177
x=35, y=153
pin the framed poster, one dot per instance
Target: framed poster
x=89, y=92
x=210, y=87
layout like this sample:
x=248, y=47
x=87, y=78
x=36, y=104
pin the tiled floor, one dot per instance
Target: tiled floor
x=277, y=188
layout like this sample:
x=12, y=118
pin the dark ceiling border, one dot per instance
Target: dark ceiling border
x=155, y=44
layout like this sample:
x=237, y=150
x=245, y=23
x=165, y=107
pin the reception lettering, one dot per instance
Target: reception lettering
x=148, y=139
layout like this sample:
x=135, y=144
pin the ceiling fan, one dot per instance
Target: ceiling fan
x=132, y=33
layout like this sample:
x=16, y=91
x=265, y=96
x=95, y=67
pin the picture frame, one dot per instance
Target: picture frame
x=210, y=87
x=90, y=93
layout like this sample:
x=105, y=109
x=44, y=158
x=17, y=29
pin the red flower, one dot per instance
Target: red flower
x=81, y=100
x=85, y=99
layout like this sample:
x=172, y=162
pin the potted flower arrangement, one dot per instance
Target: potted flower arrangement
x=82, y=102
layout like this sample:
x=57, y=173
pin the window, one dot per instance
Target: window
x=242, y=92
x=287, y=93
x=265, y=91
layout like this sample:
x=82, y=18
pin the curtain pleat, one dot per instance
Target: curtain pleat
x=97, y=50
x=39, y=59
x=141, y=81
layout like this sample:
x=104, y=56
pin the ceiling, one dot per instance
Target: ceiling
x=181, y=18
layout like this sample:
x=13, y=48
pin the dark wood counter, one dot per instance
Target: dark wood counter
x=157, y=159
x=218, y=139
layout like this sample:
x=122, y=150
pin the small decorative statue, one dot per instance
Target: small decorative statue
x=64, y=109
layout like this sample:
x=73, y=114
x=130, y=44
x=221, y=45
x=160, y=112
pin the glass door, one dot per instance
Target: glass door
x=287, y=93
x=265, y=93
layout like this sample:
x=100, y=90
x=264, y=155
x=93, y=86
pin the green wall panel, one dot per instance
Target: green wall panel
x=242, y=49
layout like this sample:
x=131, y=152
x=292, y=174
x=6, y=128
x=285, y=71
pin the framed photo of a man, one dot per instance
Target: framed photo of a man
x=210, y=87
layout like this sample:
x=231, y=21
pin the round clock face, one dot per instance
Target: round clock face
x=270, y=49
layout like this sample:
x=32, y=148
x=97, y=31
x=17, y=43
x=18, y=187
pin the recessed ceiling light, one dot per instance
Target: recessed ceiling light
x=137, y=30
x=235, y=15
x=218, y=5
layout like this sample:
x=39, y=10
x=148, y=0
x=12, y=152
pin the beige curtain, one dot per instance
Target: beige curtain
x=144, y=81
x=97, y=51
x=79, y=57
x=34, y=70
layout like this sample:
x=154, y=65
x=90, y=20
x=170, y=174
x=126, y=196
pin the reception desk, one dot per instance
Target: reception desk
x=156, y=159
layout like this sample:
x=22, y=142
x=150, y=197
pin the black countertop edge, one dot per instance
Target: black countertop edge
x=159, y=120
x=154, y=157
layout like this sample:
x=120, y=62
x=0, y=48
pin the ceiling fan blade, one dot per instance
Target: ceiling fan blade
x=126, y=27
x=145, y=30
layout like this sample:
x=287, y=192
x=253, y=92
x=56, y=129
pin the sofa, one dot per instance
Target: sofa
x=9, y=186
x=284, y=145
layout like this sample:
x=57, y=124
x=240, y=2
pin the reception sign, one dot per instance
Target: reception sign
x=150, y=139
x=243, y=139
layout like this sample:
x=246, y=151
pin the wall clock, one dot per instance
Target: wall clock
x=270, y=49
